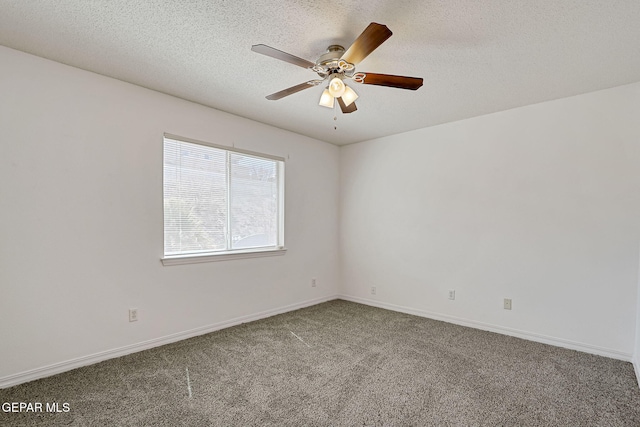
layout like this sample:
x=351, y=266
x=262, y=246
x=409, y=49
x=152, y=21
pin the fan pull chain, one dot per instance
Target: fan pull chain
x=335, y=117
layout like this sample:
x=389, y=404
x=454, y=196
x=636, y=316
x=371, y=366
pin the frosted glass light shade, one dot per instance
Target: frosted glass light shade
x=349, y=95
x=326, y=100
x=336, y=87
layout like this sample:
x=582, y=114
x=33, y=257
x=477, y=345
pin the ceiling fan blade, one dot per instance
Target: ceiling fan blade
x=283, y=56
x=346, y=110
x=400, y=82
x=293, y=89
x=372, y=37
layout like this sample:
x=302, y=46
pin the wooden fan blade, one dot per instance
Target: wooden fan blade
x=346, y=110
x=372, y=37
x=283, y=56
x=400, y=82
x=292, y=90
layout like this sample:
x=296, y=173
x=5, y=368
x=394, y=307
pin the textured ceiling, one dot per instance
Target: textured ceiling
x=476, y=57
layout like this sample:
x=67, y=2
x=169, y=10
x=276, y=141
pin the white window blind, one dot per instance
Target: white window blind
x=218, y=201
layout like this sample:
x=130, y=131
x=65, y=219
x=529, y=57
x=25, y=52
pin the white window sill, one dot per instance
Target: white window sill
x=226, y=256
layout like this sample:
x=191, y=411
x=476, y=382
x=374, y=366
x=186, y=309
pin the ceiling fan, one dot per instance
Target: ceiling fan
x=337, y=65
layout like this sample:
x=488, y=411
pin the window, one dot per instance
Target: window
x=220, y=203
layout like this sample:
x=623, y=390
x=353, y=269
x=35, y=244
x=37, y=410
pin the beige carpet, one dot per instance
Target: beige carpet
x=341, y=364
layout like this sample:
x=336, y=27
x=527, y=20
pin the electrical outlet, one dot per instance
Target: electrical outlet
x=133, y=315
x=452, y=294
x=314, y=282
x=373, y=290
x=507, y=303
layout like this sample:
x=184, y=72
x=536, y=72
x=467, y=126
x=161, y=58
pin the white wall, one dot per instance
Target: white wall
x=538, y=204
x=636, y=353
x=81, y=228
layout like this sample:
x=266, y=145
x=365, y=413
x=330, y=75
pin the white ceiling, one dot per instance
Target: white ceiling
x=476, y=57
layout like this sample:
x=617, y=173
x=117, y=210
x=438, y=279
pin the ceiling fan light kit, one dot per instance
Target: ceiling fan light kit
x=336, y=65
x=334, y=91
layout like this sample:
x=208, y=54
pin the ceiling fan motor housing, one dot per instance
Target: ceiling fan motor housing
x=331, y=63
x=333, y=55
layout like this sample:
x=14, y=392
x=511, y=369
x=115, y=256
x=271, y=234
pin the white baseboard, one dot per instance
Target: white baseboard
x=68, y=365
x=558, y=342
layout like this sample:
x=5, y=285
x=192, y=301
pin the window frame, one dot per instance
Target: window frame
x=229, y=254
